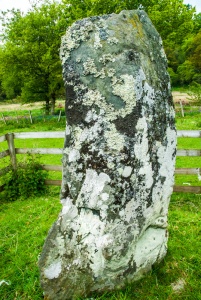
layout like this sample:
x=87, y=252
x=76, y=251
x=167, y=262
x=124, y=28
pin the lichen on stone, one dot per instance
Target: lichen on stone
x=118, y=158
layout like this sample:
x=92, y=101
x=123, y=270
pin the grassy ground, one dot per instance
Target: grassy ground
x=24, y=225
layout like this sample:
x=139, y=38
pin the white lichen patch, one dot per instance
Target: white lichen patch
x=111, y=72
x=94, y=239
x=68, y=130
x=79, y=87
x=89, y=67
x=91, y=116
x=97, y=41
x=74, y=155
x=107, y=58
x=167, y=162
x=115, y=140
x=150, y=247
x=92, y=189
x=53, y=271
x=126, y=87
x=127, y=171
x=141, y=150
x=73, y=38
x=69, y=210
x=93, y=97
x=101, y=73
x=160, y=222
x=70, y=43
x=92, y=133
x=126, y=90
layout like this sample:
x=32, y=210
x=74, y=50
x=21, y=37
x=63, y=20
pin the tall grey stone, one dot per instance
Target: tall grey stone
x=118, y=160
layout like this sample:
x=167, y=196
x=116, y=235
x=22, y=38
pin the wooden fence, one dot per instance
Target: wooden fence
x=12, y=152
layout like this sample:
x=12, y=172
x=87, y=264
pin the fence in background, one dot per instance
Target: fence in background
x=30, y=117
x=12, y=152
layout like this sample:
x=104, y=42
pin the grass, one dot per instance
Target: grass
x=24, y=125
x=24, y=226
x=189, y=122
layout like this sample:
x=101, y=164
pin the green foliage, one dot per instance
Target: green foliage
x=189, y=70
x=195, y=92
x=197, y=22
x=173, y=20
x=28, y=179
x=173, y=76
x=29, y=59
x=186, y=72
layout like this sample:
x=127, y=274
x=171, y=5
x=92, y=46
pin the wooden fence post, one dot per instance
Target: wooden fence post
x=11, y=146
x=17, y=117
x=182, y=110
x=59, y=118
x=30, y=116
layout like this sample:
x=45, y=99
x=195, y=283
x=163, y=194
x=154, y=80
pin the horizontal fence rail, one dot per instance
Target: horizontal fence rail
x=39, y=135
x=12, y=152
x=188, y=171
x=39, y=150
x=188, y=152
x=189, y=133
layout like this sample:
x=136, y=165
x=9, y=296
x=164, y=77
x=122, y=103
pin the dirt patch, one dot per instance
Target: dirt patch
x=177, y=97
x=29, y=106
x=183, y=97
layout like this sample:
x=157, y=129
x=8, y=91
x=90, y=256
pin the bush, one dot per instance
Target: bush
x=195, y=92
x=27, y=180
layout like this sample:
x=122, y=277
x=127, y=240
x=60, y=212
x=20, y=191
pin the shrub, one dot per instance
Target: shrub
x=28, y=179
x=195, y=92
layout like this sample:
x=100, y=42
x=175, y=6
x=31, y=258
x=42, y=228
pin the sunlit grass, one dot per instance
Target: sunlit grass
x=24, y=226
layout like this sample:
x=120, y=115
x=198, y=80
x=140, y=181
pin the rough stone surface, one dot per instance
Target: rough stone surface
x=118, y=161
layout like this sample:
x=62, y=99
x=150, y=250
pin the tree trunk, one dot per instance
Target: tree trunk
x=47, y=106
x=53, y=101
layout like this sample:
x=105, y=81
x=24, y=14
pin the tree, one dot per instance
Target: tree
x=30, y=56
x=194, y=56
x=197, y=22
x=173, y=19
x=29, y=59
x=190, y=70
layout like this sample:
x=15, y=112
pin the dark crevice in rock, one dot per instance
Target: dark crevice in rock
x=127, y=125
x=95, y=212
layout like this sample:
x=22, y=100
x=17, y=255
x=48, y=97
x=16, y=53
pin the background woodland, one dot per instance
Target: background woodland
x=30, y=68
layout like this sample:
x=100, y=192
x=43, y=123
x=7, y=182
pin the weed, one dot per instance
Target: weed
x=28, y=179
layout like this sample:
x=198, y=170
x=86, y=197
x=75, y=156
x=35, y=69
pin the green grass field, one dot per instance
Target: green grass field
x=24, y=225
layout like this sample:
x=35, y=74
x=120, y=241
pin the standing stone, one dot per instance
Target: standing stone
x=118, y=160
